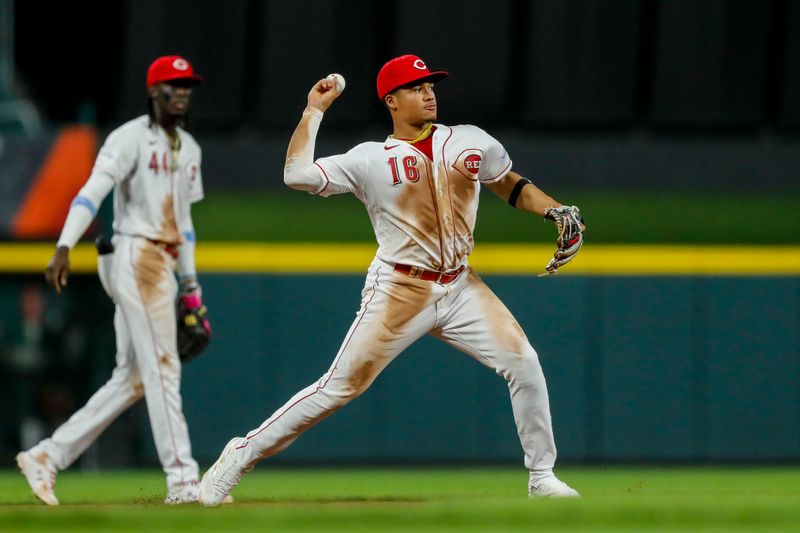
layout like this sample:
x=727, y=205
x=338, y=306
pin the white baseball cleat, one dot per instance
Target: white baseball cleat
x=222, y=477
x=40, y=472
x=551, y=487
x=182, y=493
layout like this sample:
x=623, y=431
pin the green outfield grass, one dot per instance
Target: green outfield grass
x=422, y=500
x=286, y=215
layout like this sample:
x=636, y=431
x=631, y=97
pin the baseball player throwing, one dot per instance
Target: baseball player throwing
x=153, y=165
x=421, y=188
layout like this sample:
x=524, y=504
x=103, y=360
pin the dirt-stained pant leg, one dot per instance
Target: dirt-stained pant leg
x=395, y=311
x=475, y=321
x=145, y=290
x=123, y=389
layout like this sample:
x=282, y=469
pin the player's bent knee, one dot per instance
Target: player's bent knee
x=348, y=386
x=523, y=369
x=343, y=394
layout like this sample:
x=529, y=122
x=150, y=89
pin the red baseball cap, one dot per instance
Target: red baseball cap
x=404, y=70
x=167, y=68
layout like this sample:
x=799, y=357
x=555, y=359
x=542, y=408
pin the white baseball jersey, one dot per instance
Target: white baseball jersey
x=152, y=197
x=150, y=200
x=391, y=177
x=423, y=212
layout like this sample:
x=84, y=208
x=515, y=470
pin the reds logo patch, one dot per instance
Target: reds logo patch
x=472, y=163
x=468, y=163
x=180, y=64
x=420, y=64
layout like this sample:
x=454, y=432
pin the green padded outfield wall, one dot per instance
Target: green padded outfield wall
x=639, y=369
x=644, y=369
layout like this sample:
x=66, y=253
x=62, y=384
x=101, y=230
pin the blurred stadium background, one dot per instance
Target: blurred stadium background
x=673, y=124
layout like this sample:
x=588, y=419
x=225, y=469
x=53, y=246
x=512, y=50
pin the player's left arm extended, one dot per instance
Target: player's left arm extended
x=528, y=196
x=524, y=195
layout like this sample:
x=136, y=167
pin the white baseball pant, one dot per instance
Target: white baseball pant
x=140, y=280
x=396, y=310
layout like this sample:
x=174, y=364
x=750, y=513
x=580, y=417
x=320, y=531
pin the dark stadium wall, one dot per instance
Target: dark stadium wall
x=664, y=94
x=677, y=65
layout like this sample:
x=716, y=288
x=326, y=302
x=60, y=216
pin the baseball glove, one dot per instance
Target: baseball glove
x=194, y=330
x=570, y=226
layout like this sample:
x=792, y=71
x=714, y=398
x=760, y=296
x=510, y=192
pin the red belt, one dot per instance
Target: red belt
x=171, y=249
x=429, y=275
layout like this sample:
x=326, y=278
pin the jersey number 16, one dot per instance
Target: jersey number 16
x=409, y=166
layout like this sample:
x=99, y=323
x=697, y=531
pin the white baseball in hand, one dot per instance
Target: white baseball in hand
x=338, y=79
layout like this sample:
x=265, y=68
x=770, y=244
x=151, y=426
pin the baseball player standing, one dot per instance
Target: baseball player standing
x=153, y=165
x=421, y=189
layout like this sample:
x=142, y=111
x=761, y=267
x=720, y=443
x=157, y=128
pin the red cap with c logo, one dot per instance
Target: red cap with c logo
x=168, y=68
x=404, y=70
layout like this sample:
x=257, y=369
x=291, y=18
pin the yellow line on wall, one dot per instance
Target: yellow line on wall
x=644, y=259
x=520, y=259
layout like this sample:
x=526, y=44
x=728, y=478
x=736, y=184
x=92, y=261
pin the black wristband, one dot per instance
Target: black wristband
x=512, y=199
